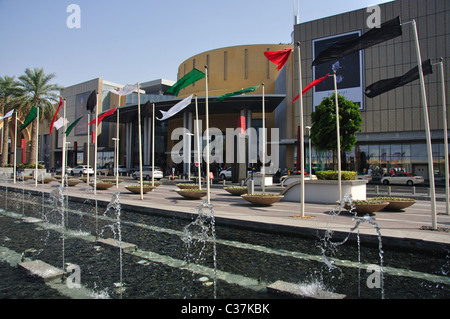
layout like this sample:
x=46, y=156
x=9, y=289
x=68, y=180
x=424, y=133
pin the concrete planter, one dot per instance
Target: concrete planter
x=396, y=204
x=73, y=182
x=187, y=186
x=136, y=189
x=192, y=194
x=262, y=200
x=102, y=186
x=325, y=191
x=367, y=207
x=236, y=191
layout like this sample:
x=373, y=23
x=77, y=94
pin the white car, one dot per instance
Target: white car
x=225, y=174
x=122, y=169
x=403, y=179
x=82, y=170
x=147, y=173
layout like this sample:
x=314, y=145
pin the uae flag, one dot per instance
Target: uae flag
x=127, y=89
x=56, y=113
x=91, y=101
x=310, y=85
x=384, y=86
x=278, y=57
x=387, y=31
x=101, y=117
x=240, y=92
x=176, y=108
x=185, y=81
x=70, y=128
x=30, y=117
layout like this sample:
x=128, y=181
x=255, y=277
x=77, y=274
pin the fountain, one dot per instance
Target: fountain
x=179, y=259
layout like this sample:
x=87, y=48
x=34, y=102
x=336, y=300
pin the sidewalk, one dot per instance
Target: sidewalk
x=402, y=229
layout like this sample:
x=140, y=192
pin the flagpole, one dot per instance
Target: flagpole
x=140, y=142
x=444, y=119
x=208, y=186
x=37, y=149
x=88, y=151
x=117, y=147
x=338, y=137
x=153, y=146
x=302, y=142
x=427, y=130
x=198, y=146
x=99, y=100
x=63, y=165
x=15, y=149
x=263, y=181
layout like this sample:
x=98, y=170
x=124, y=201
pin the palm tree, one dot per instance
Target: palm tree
x=42, y=94
x=10, y=93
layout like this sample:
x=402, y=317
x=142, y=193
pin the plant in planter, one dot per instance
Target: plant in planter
x=187, y=186
x=369, y=206
x=102, y=185
x=46, y=180
x=112, y=180
x=262, y=199
x=192, y=193
x=156, y=184
x=396, y=203
x=236, y=190
x=136, y=188
x=73, y=182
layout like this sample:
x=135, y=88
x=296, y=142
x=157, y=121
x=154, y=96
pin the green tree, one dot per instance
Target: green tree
x=39, y=92
x=323, y=130
x=10, y=94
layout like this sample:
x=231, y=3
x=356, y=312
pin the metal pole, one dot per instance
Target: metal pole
x=153, y=147
x=15, y=149
x=302, y=142
x=338, y=138
x=198, y=146
x=140, y=142
x=444, y=119
x=427, y=131
x=117, y=146
x=208, y=186
x=37, y=149
x=88, y=146
x=263, y=181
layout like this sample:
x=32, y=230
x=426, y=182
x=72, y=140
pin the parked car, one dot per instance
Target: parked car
x=82, y=170
x=225, y=173
x=122, y=170
x=402, y=178
x=147, y=173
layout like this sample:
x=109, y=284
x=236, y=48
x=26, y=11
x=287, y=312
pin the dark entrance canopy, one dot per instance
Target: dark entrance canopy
x=252, y=102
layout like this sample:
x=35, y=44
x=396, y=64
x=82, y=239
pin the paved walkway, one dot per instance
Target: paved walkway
x=399, y=228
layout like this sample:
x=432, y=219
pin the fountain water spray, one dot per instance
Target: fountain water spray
x=328, y=246
x=197, y=234
x=116, y=229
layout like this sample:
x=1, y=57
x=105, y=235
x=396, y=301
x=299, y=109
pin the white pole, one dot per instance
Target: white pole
x=140, y=142
x=263, y=167
x=117, y=146
x=208, y=186
x=198, y=146
x=427, y=131
x=63, y=155
x=302, y=142
x=88, y=138
x=37, y=149
x=15, y=149
x=338, y=138
x=153, y=146
x=99, y=101
x=444, y=119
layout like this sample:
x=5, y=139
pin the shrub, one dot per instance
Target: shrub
x=334, y=175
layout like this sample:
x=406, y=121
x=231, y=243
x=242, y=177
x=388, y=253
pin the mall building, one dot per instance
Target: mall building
x=393, y=129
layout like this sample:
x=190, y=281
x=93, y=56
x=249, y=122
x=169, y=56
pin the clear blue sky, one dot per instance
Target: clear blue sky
x=141, y=40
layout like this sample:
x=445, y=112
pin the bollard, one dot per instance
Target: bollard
x=389, y=190
x=224, y=182
x=414, y=190
x=250, y=187
x=429, y=192
x=377, y=188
